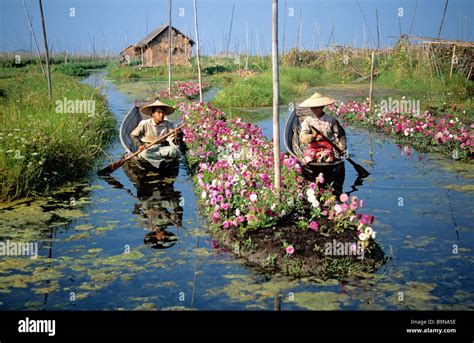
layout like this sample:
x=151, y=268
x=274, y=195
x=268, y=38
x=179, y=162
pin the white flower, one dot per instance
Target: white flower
x=362, y=236
x=373, y=234
x=237, y=212
x=203, y=195
x=368, y=231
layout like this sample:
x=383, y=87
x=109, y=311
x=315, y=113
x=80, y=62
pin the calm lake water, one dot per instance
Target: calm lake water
x=97, y=250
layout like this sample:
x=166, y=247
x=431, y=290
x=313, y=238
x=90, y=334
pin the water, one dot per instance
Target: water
x=93, y=255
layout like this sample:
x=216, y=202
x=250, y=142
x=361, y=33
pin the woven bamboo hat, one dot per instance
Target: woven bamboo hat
x=148, y=109
x=317, y=100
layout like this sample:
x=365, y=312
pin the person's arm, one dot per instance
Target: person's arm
x=136, y=134
x=306, y=136
x=340, y=135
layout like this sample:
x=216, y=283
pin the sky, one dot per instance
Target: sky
x=107, y=26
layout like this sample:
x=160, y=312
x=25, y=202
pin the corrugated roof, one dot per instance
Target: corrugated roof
x=152, y=35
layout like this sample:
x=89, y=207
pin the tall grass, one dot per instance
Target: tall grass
x=41, y=147
x=255, y=91
x=160, y=73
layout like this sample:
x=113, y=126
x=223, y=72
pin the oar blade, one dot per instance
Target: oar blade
x=359, y=169
x=110, y=168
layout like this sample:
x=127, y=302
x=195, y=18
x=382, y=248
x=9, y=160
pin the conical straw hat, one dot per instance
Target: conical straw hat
x=148, y=109
x=317, y=100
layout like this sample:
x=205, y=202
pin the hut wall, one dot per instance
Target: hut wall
x=157, y=52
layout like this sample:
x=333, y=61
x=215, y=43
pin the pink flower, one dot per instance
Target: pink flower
x=320, y=178
x=290, y=250
x=215, y=217
x=225, y=206
x=313, y=226
x=338, y=209
x=213, y=201
x=344, y=197
x=361, y=203
x=353, y=206
x=253, y=197
x=226, y=224
x=312, y=185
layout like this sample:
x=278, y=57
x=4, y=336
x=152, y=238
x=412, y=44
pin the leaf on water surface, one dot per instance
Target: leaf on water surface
x=320, y=301
x=69, y=214
x=83, y=227
x=77, y=236
x=93, y=187
x=95, y=250
x=468, y=188
x=201, y=251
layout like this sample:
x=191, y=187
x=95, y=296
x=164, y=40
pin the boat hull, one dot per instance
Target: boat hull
x=140, y=165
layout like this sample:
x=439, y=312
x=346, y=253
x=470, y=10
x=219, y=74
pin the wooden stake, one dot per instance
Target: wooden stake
x=34, y=38
x=45, y=42
x=197, y=51
x=452, y=61
x=170, y=27
x=276, y=118
x=371, y=81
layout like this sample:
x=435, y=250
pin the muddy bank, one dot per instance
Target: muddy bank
x=314, y=255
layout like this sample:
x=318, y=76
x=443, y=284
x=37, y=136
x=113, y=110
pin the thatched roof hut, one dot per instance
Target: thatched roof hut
x=153, y=49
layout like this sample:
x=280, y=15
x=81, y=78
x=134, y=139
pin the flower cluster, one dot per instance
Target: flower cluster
x=183, y=90
x=233, y=164
x=446, y=132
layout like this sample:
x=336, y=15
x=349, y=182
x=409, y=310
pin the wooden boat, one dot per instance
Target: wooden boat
x=332, y=171
x=129, y=123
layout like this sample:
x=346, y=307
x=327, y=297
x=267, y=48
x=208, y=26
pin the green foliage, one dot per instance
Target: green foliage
x=255, y=91
x=41, y=147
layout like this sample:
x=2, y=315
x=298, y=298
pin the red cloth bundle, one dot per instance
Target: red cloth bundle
x=320, y=151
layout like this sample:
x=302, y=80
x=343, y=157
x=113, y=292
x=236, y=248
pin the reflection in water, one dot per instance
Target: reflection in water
x=159, y=205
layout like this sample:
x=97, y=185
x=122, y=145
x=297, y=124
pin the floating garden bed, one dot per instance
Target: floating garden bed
x=304, y=230
x=425, y=131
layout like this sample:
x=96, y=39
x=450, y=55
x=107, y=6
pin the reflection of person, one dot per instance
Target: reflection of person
x=160, y=239
x=159, y=208
x=319, y=150
x=148, y=130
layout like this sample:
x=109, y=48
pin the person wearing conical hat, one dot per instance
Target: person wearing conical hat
x=148, y=130
x=319, y=150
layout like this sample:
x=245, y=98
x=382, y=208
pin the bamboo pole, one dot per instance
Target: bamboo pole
x=297, y=37
x=371, y=89
x=442, y=19
x=276, y=119
x=45, y=42
x=248, y=48
x=169, y=47
x=230, y=31
x=198, y=60
x=34, y=38
x=378, y=29
x=452, y=61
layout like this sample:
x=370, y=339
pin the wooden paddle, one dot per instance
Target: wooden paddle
x=117, y=164
x=361, y=170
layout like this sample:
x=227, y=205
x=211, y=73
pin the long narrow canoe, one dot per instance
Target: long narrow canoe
x=296, y=149
x=129, y=123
